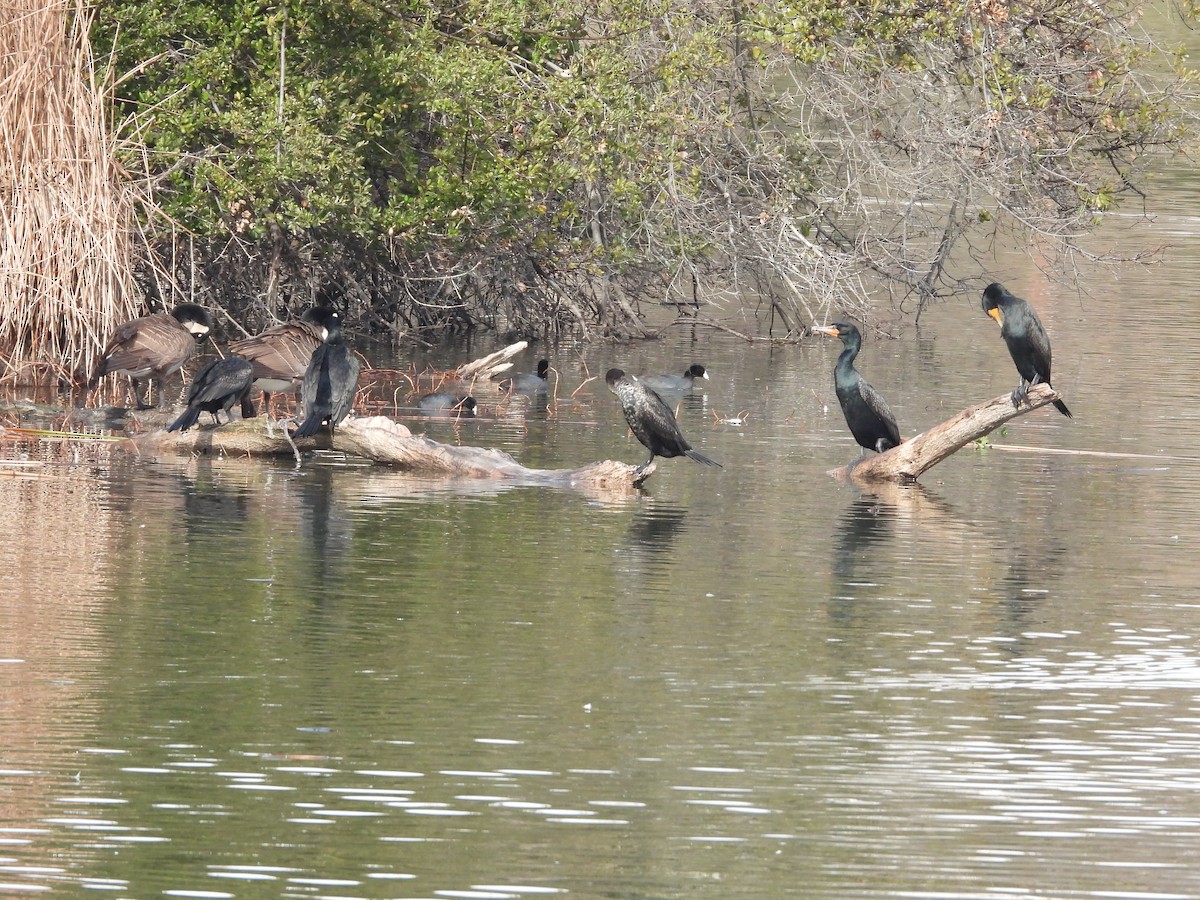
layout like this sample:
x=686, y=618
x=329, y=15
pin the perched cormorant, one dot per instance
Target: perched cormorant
x=219, y=385
x=674, y=384
x=651, y=420
x=280, y=355
x=330, y=382
x=154, y=347
x=456, y=406
x=866, y=412
x=531, y=385
x=1026, y=339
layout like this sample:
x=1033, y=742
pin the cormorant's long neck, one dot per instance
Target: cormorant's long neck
x=845, y=362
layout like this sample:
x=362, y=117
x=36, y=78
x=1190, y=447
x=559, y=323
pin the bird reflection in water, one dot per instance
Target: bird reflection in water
x=653, y=530
x=868, y=521
x=214, y=503
x=325, y=528
x=875, y=518
x=1033, y=566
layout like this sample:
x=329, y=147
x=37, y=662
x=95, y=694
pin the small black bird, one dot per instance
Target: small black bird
x=457, y=406
x=674, y=384
x=651, y=420
x=330, y=382
x=530, y=385
x=219, y=385
x=866, y=412
x=153, y=347
x=280, y=355
x=1027, y=341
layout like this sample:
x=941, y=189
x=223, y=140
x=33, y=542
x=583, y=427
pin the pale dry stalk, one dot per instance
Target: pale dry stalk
x=65, y=206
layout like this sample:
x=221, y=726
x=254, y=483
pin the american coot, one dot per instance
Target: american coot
x=447, y=404
x=280, y=355
x=866, y=412
x=153, y=347
x=651, y=420
x=330, y=382
x=674, y=384
x=527, y=384
x=219, y=385
x=1026, y=338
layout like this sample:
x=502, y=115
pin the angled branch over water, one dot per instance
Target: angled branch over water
x=913, y=457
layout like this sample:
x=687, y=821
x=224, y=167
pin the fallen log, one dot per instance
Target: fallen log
x=913, y=457
x=384, y=441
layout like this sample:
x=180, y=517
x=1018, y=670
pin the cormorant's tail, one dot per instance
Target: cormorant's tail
x=187, y=420
x=1062, y=408
x=309, y=426
x=701, y=458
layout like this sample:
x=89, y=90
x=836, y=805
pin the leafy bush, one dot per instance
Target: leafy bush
x=538, y=165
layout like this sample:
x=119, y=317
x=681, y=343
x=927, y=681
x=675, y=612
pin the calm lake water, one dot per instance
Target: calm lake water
x=234, y=678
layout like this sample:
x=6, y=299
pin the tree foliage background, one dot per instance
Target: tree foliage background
x=551, y=165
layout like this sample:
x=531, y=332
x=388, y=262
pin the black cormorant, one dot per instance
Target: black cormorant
x=674, y=384
x=153, y=347
x=330, y=382
x=866, y=412
x=530, y=385
x=281, y=354
x=651, y=420
x=1026, y=339
x=219, y=385
x=445, y=404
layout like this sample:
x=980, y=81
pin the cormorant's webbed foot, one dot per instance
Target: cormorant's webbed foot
x=1020, y=394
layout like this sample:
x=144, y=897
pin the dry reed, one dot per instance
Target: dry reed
x=66, y=206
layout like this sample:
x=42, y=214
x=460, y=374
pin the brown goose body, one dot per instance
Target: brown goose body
x=155, y=346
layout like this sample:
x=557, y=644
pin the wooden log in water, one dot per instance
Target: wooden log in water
x=384, y=441
x=917, y=454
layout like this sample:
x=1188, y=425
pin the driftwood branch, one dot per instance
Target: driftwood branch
x=914, y=456
x=491, y=365
x=384, y=441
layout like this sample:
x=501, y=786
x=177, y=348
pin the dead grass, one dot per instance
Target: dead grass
x=66, y=207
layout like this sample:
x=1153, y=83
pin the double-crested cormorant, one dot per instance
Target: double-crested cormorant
x=674, y=384
x=1026, y=339
x=281, y=354
x=651, y=420
x=330, y=382
x=866, y=412
x=456, y=406
x=527, y=384
x=153, y=347
x=219, y=385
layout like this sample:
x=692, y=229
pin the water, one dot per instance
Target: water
x=235, y=678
